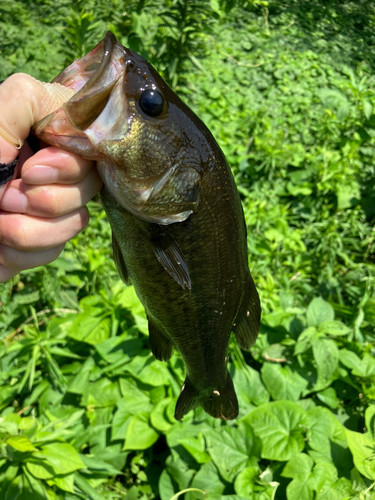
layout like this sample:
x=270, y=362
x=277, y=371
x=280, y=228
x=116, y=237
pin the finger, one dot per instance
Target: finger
x=26, y=233
x=6, y=273
x=18, y=260
x=49, y=201
x=54, y=166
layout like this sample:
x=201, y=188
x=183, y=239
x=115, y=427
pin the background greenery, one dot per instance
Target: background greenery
x=86, y=412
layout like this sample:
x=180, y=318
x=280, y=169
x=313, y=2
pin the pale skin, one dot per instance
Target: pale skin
x=43, y=206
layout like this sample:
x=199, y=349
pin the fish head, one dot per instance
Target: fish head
x=124, y=116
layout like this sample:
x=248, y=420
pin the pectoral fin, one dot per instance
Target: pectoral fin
x=119, y=261
x=246, y=325
x=161, y=347
x=170, y=256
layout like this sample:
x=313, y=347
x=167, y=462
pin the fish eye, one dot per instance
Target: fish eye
x=151, y=102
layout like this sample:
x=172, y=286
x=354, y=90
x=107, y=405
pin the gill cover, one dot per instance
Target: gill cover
x=104, y=121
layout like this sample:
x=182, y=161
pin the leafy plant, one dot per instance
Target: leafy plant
x=86, y=412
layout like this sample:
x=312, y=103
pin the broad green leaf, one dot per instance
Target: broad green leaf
x=366, y=368
x=120, y=421
x=244, y=483
x=100, y=394
x=196, y=448
x=81, y=380
x=362, y=447
x=40, y=469
x=334, y=328
x=148, y=370
x=280, y=426
x=249, y=387
x=306, y=340
x=134, y=400
x=158, y=416
x=90, y=328
x=21, y=443
x=86, y=487
x=65, y=483
x=61, y=457
x=140, y=435
x=319, y=311
x=323, y=428
x=299, y=469
x=282, y=382
x=166, y=489
x=179, y=471
x=207, y=479
x=329, y=397
x=326, y=356
x=232, y=449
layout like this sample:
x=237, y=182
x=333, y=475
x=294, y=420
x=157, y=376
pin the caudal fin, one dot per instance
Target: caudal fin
x=221, y=403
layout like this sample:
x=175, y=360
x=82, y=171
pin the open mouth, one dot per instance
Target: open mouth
x=98, y=110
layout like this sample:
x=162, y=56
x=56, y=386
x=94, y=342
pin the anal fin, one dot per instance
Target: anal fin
x=247, y=323
x=161, y=347
x=119, y=261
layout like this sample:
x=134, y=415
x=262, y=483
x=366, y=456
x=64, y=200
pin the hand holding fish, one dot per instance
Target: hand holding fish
x=42, y=195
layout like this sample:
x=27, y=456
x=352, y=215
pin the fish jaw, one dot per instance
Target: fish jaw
x=97, y=111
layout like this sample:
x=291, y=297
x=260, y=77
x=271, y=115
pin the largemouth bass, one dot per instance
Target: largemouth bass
x=178, y=227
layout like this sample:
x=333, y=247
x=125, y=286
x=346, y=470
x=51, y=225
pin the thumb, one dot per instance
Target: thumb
x=24, y=101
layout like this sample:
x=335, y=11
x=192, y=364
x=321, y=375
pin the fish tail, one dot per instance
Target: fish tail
x=221, y=403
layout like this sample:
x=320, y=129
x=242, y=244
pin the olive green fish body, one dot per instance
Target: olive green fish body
x=178, y=227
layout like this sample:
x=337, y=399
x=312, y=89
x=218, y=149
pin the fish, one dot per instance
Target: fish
x=178, y=228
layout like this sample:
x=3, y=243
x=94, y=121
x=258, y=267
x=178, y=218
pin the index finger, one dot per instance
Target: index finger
x=54, y=166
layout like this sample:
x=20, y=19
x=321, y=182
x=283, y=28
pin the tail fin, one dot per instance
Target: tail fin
x=221, y=403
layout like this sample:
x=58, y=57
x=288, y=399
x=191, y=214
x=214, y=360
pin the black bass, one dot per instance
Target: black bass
x=179, y=233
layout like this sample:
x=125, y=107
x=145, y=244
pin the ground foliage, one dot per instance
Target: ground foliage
x=86, y=412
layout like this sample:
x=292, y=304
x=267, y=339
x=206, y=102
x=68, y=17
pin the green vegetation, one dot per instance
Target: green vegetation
x=86, y=412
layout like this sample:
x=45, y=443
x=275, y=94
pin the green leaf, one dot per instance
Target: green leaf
x=326, y=355
x=319, y=311
x=299, y=468
x=362, y=447
x=65, y=483
x=158, y=417
x=306, y=340
x=166, y=489
x=329, y=397
x=140, y=435
x=207, y=479
x=89, y=328
x=282, y=382
x=334, y=328
x=244, y=483
x=148, y=370
x=61, y=457
x=20, y=443
x=323, y=428
x=100, y=394
x=40, y=469
x=233, y=449
x=196, y=448
x=120, y=421
x=280, y=426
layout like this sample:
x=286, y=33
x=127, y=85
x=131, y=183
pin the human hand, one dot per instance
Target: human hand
x=43, y=206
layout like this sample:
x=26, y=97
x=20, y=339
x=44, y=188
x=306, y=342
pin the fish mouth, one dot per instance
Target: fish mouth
x=98, y=109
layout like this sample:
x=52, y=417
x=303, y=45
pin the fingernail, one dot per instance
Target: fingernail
x=14, y=201
x=40, y=174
